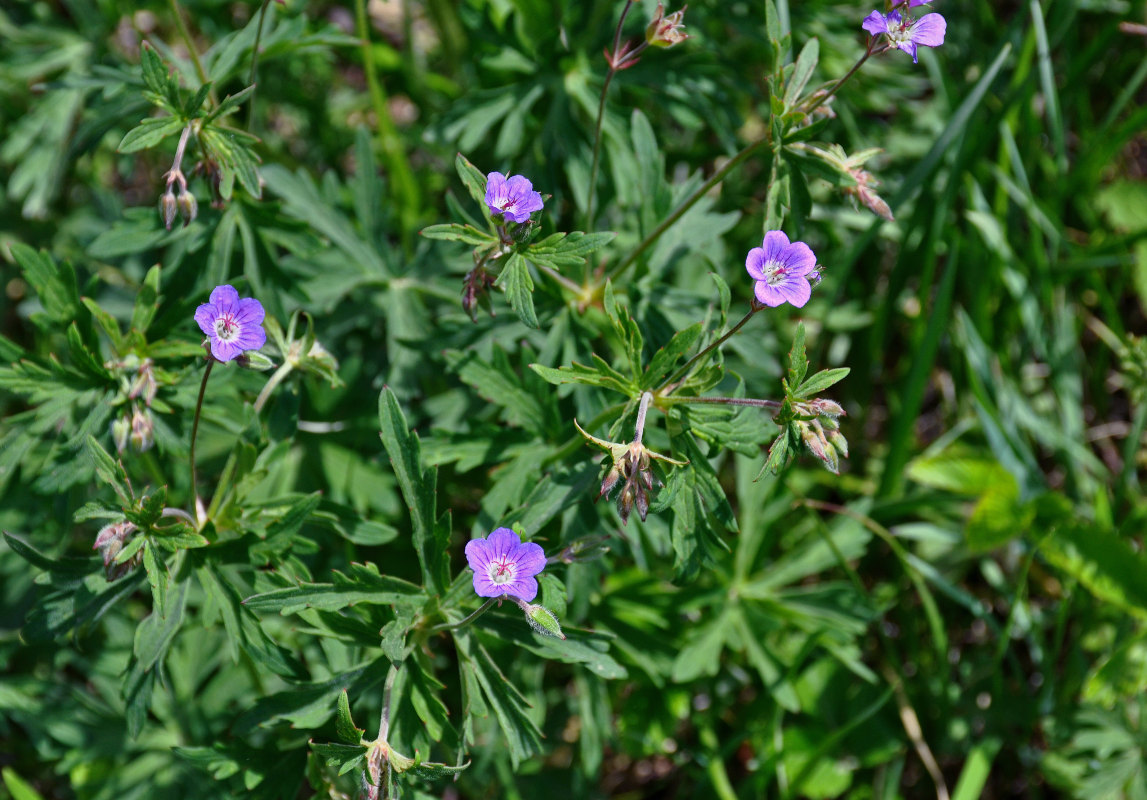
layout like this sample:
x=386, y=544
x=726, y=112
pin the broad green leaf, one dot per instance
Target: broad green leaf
x=604, y=375
x=798, y=363
x=63, y=566
x=108, y=469
x=419, y=489
x=146, y=301
x=802, y=71
x=158, y=578
x=149, y=133
x=473, y=179
x=821, y=381
x=522, y=734
x=516, y=282
x=466, y=234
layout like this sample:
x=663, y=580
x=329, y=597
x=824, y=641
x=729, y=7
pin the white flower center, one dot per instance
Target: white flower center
x=226, y=328
x=501, y=571
x=775, y=272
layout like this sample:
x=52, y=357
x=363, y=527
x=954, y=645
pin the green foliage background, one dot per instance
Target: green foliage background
x=961, y=607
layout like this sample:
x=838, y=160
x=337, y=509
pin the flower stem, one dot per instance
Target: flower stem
x=639, y=428
x=255, y=66
x=282, y=372
x=186, y=36
x=176, y=171
x=389, y=141
x=689, y=202
x=481, y=610
x=681, y=373
x=200, y=515
x=384, y=718
x=726, y=401
x=824, y=98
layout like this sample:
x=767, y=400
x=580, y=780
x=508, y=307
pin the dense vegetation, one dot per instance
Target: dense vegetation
x=884, y=544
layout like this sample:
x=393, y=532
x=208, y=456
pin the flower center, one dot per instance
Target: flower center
x=506, y=206
x=226, y=328
x=501, y=571
x=775, y=272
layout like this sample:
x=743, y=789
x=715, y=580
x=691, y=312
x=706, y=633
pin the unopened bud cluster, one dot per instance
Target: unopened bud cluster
x=110, y=541
x=820, y=431
x=136, y=426
x=183, y=204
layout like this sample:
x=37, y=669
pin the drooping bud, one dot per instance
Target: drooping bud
x=543, y=621
x=475, y=290
x=110, y=541
x=665, y=31
x=144, y=384
x=188, y=208
x=168, y=207
x=142, y=429
x=121, y=431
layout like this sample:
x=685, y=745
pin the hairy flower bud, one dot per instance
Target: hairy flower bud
x=168, y=207
x=188, y=208
x=142, y=429
x=110, y=541
x=144, y=385
x=121, y=431
x=543, y=621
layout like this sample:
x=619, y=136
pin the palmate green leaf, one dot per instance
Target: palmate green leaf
x=516, y=282
x=454, y=232
x=802, y=71
x=702, y=654
x=604, y=375
x=425, y=697
x=54, y=282
x=566, y=249
x=85, y=360
x=821, y=381
x=108, y=469
x=522, y=734
x=146, y=301
x=345, y=728
x=579, y=647
x=149, y=133
x=106, y=322
x=473, y=179
x=498, y=383
x=363, y=585
x=163, y=88
x=631, y=337
x=419, y=489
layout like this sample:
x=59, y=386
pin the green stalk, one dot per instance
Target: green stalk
x=681, y=373
x=186, y=36
x=255, y=66
x=401, y=177
x=281, y=373
x=199, y=514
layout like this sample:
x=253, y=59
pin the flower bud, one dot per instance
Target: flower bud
x=824, y=407
x=665, y=31
x=188, y=208
x=144, y=384
x=110, y=541
x=543, y=621
x=168, y=206
x=121, y=430
x=142, y=429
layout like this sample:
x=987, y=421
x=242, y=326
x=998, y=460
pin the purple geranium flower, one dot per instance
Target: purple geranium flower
x=513, y=197
x=781, y=270
x=503, y=564
x=905, y=33
x=232, y=325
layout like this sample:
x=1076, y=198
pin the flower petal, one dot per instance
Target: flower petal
x=502, y=543
x=525, y=588
x=796, y=291
x=205, y=315
x=495, y=191
x=225, y=299
x=755, y=263
x=251, y=337
x=484, y=587
x=530, y=558
x=799, y=259
x=250, y=312
x=914, y=3
x=768, y=295
x=774, y=245
x=518, y=187
x=910, y=49
x=478, y=554
x=929, y=30
x=875, y=23
x=225, y=351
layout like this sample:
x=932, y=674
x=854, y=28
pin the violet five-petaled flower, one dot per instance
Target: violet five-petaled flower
x=504, y=564
x=232, y=325
x=514, y=197
x=782, y=270
x=905, y=33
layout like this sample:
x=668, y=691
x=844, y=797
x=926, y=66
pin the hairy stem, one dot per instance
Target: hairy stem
x=200, y=515
x=186, y=36
x=481, y=610
x=824, y=98
x=384, y=719
x=639, y=428
x=688, y=203
x=281, y=373
x=684, y=371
